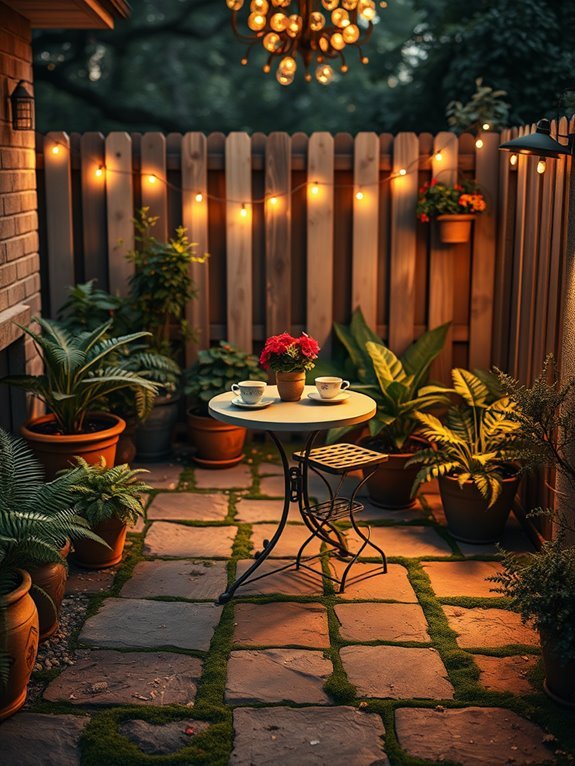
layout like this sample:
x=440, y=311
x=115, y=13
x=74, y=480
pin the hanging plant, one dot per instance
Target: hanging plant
x=454, y=207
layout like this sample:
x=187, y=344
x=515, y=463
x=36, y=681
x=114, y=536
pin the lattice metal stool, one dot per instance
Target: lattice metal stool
x=338, y=460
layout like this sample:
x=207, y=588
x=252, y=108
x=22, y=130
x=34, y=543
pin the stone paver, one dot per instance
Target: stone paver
x=506, y=674
x=513, y=539
x=89, y=581
x=238, y=477
x=408, y=541
x=291, y=582
x=281, y=624
x=396, y=672
x=138, y=527
x=56, y=737
x=473, y=736
x=372, y=512
x=188, y=506
x=462, y=578
x=272, y=486
x=382, y=622
x=161, y=739
x=254, y=511
x=394, y=585
x=199, y=580
x=161, y=475
x=127, y=678
x=277, y=675
x=135, y=623
x=314, y=736
x=290, y=541
x=179, y=540
x=489, y=628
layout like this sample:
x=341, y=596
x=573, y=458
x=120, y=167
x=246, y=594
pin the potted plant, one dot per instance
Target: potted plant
x=217, y=444
x=454, y=207
x=394, y=382
x=79, y=373
x=474, y=455
x=289, y=358
x=35, y=519
x=110, y=500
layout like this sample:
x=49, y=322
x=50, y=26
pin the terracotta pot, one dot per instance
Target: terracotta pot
x=218, y=445
x=290, y=385
x=51, y=578
x=154, y=436
x=469, y=518
x=92, y=555
x=20, y=637
x=390, y=486
x=559, y=675
x=57, y=451
x=455, y=229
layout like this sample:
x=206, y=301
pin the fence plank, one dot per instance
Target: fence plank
x=544, y=268
x=154, y=179
x=518, y=261
x=239, y=240
x=365, y=225
x=120, y=210
x=93, y=174
x=483, y=259
x=403, y=251
x=320, y=239
x=195, y=219
x=441, y=285
x=59, y=231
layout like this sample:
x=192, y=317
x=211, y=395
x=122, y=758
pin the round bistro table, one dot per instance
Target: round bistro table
x=312, y=418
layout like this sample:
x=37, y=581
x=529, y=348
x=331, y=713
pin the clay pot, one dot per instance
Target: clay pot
x=90, y=554
x=455, y=229
x=57, y=451
x=20, y=636
x=559, y=681
x=218, y=445
x=51, y=578
x=469, y=518
x=154, y=436
x=390, y=486
x=290, y=385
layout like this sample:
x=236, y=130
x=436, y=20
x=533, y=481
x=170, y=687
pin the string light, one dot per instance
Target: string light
x=486, y=126
x=438, y=156
x=315, y=188
x=152, y=178
x=199, y=197
x=479, y=143
x=402, y=172
x=359, y=195
x=513, y=159
x=99, y=172
x=541, y=166
x=55, y=149
x=244, y=210
x=273, y=200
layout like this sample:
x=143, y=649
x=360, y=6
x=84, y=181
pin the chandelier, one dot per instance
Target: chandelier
x=318, y=30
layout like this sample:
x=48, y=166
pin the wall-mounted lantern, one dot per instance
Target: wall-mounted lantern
x=22, y=103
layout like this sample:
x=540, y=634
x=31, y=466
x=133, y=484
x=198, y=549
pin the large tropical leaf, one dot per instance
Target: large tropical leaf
x=418, y=358
x=387, y=367
x=469, y=387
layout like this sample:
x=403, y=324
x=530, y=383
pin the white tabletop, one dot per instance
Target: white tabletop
x=305, y=415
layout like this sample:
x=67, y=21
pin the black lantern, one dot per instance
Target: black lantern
x=22, y=107
x=540, y=143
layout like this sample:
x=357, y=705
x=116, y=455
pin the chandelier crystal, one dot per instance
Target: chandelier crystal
x=315, y=32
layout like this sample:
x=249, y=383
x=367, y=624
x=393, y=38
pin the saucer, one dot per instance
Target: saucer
x=341, y=397
x=265, y=402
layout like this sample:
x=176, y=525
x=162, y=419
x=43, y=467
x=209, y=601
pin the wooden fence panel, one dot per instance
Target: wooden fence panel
x=320, y=238
x=518, y=252
x=120, y=210
x=93, y=180
x=154, y=179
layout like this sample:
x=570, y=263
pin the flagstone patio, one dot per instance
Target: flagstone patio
x=425, y=662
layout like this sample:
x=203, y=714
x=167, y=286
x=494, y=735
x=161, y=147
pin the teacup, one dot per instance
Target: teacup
x=329, y=387
x=250, y=391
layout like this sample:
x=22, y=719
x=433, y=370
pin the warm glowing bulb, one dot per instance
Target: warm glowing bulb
x=294, y=26
x=351, y=34
x=486, y=126
x=266, y=69
x=513, y=159
x=279, y=22
x=234, y=5
x=364, y=60
x=256, y=21
x=56, y=149
x=330, y=5
x=438, y=156
x=344, y=68
x=337, y=41
x=315, y=188
x=272, y=42
x=99, y=172
x=152, y=179
x=284, y=78
x=199, y=197
x=324, y=74
x=479, y=143
x=244, y=211
x=340, y=17
x=367, y=10
x=359, y=195
x=541, y=166
x=287, y=65
x=244, y=61
x=402, y=172
x=273, y=201
x=349, y=5
x=316, y=21
x=259, y=6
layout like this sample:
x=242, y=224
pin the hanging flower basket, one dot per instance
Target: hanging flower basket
x=453, y=207
x=455, y=229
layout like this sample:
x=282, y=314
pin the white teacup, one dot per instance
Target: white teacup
x=250, y=391
x=329, y=387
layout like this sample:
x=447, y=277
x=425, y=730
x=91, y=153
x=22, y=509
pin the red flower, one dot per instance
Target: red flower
x=424, y=218
x=276, y=344
x=309, y=347
x=458, y=187
x=434, y=182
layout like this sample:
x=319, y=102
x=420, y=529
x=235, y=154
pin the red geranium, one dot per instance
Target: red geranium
x=284, y=353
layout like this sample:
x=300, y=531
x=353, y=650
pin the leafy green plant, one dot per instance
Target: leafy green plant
x=87, y=307
x=394, y=382
x=478, y=442
x=436, y=198
x=80, y=371
x=215, y=370
x=103, y=493
x=485, y=107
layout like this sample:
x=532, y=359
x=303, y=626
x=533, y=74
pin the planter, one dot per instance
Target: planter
x=390, y=486
x=290, y=385
x=126, y=447
x=455, y=229
x=21, y=645
x=51, y=578
x=92, y=555
x=559, y=681
x=57, y=451
x=218, y=445
x=468, y=517
x=154, y=436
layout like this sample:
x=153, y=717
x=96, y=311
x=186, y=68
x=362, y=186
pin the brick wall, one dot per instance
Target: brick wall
x=19, y=259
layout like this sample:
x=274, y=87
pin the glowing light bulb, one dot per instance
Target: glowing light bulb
x=366, y=9
x=330, y=5
x=324, y=74
x=486, y=126
x=402, y=172
x=244, y=61
x=266, y=69
x=340, y=17
x=344, y=68
x=199, y=197
x=438, y=156
x=287, y=65
x=99, y=172
x=316, y=21
x=337, y=41
x=259, y=6
x=284, y=78
x=479, y=143
x=315, y=188
x=273, y=201
x=294, y=26
x=349, y=5
x=279, y=22
x=234, y=5
x=152, y=179
x=256, y=21
x=541, y=166
x=244, y=210
x=513, y=159
x=272, y=42
x=56, y=149
x=359, y=195
x=351, y=34
x=364, y=60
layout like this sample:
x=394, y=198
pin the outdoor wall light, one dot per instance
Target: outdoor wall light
x=541, y=143
x=22, y=103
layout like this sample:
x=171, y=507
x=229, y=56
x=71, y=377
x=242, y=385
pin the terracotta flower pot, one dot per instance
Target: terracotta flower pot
x=559, y=675
x=154, y=436
x=90, y=554
x=20, y=636
x=455, y=229
x=57, y=451
x=290, y=385
x=390, y=486
x=469, y=518
x=51, y=578
x=218, y=445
